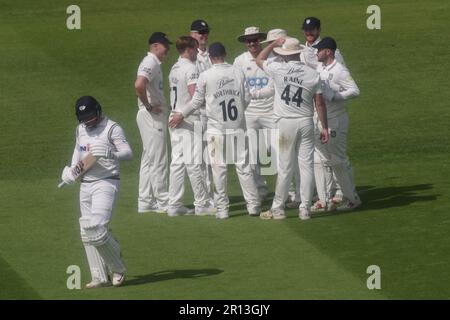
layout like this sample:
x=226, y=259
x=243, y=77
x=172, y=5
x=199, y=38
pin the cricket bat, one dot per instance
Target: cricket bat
x=82, y=167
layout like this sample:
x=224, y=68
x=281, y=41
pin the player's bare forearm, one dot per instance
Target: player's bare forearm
x=264, y=54
x=322, y=114
x=141, y=92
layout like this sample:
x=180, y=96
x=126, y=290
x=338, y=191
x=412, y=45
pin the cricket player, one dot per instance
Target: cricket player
x=152, y=123
x=311, y=31
x=337, y=86
x=186, y=145
x=296, y=85
x=200, y=32
x=225, y=91
x=259, y=113
x=105, y=139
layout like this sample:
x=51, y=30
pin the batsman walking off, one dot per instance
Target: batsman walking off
x=104, y=139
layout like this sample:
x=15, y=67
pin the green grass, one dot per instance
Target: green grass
x=398, y=146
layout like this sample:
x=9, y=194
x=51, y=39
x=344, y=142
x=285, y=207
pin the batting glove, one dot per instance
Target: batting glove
x=101, y=151
x=67, y=176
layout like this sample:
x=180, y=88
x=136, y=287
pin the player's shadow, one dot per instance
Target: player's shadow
x=170, y=275
x=376, y=198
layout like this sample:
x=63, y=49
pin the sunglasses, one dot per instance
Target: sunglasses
x=252, y=40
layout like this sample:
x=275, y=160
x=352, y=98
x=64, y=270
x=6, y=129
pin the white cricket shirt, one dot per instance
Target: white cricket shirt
x=183, y=73
x=256, y=79
x=336, y=82
x=108, y=133
x=150, y=68
x=295, y=87
x=225, y=91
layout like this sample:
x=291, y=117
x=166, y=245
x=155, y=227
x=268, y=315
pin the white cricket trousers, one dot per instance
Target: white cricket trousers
x=258, y=123
x=187, y=157
x=97, y=201
x=206, y=166
x=333, y=156
x=222, y=151
x=296, y=140
x=153, y=174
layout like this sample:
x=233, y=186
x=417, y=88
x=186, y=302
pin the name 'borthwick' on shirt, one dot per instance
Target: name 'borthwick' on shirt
x=295, y=87
x=150, y=68
x=225, y=91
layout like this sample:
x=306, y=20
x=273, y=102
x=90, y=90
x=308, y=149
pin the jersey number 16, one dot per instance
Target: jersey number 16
x=229, y=111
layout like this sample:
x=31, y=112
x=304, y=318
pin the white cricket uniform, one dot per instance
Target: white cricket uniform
x=224, y=89
x=309, y=57
x=295, y=87
x=153, y=175
x=203, y=63
x=337, y=86
x=186, y=144
x=259, y=113
x=99, y=191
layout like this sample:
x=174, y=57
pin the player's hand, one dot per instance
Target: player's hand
x=101, y=151
x=279, y=42
x=175, y=119
x=254, y=93
x=67, y=176
x=324, y=135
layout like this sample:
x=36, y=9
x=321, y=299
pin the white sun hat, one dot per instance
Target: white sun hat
x=251, y=32
x=274, y=34
x=290, y=46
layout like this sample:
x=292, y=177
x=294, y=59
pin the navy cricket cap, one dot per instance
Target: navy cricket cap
x=158, y=37
x=217, y=50
x=199, y=25
x=326, y=43
x=87, y=107
x=311, y=23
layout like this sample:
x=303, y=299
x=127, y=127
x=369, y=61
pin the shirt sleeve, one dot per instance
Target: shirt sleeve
x=146, y=69
x=123, y=149
x=192, y=76
x=347, y=86
x=317, y=87
x=270, y=67
x=76, y=151
x=198, y=99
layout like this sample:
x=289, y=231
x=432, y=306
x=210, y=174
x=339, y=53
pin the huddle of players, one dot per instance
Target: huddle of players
x=298, y=90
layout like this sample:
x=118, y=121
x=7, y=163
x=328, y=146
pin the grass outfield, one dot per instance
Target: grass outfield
x=398, y=145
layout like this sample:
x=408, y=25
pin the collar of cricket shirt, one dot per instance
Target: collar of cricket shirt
x=203, y=53
x=331, y=65
x=314, y=43
x=154, y=57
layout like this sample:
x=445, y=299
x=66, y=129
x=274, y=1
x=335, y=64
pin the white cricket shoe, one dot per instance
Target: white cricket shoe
x=174, y=212
x=349, y=206
x=97, y=284
x=205, y=211
x=273, y=214
x=222, y=215
x=152, y=209
x=118, y=279
x=304, y=214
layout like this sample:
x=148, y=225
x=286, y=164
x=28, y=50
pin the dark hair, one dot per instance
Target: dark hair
x=217, y=50
x=185, y=42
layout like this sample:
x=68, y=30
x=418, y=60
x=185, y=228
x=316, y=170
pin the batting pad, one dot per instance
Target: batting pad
x=95, y=261
x=103, y=241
